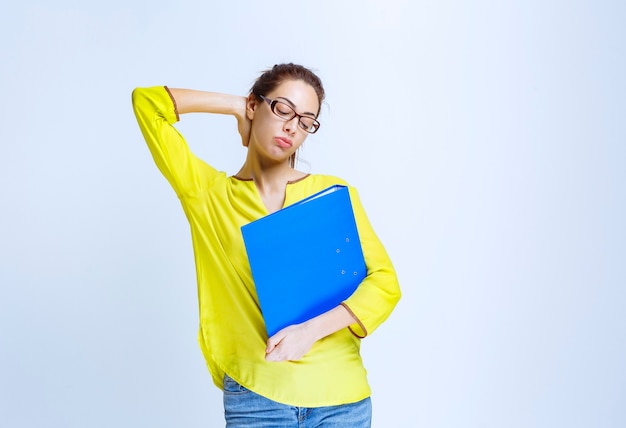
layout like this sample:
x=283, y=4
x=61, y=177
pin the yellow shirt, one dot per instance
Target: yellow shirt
x=232, y=333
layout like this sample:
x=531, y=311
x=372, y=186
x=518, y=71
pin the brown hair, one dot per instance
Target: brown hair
x=280, y=73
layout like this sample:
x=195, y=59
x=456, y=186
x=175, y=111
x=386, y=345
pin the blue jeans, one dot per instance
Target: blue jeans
x=244, y=408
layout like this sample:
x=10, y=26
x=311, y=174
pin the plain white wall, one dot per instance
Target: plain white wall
x=486, y=140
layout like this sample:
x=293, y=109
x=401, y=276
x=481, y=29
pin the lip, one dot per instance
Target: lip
x=283, y=142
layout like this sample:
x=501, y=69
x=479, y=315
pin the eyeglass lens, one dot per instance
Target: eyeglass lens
x=286, y=112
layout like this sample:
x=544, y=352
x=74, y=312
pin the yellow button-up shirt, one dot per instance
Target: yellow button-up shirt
x=232, y=333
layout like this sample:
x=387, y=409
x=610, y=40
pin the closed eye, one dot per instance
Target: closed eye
x=283, y=110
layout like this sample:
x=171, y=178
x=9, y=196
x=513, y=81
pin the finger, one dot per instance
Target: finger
x=275, y=356
x=274, y=341
x=270, y=357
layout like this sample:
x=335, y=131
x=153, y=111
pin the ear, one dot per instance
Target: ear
x=251, y=105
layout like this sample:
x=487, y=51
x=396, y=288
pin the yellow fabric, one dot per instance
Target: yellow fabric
x=232, y=334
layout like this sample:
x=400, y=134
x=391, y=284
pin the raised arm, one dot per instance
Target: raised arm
x=193, y=101
x=158, y=108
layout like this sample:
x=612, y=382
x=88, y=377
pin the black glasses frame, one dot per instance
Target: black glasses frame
x=311, y=130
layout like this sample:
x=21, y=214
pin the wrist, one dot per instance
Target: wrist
x=328, y=323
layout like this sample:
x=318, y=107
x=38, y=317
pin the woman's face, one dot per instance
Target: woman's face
x=273, y=137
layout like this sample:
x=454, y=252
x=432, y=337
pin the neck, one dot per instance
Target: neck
x=270, y=181
x=269, y=177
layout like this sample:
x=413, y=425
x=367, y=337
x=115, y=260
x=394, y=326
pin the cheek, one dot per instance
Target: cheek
x=266, y=125
x=299, y=140
x=261, y=127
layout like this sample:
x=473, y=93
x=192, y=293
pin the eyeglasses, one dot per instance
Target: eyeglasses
x=286, y=112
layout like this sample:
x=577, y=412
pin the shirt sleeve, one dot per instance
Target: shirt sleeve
x=377, y=295
x=155, y=110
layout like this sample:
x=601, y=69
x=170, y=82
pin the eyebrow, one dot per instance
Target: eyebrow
x=288, y=101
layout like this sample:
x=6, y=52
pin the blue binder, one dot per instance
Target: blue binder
x=306, y=258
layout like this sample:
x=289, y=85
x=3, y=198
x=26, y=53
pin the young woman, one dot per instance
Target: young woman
x=310, y=371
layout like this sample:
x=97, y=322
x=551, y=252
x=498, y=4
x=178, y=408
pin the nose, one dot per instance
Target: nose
x=291, y=125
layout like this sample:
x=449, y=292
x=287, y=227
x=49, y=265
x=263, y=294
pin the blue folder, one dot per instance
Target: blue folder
x=305, y=258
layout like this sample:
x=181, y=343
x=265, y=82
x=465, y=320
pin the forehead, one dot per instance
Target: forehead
x=300, y=93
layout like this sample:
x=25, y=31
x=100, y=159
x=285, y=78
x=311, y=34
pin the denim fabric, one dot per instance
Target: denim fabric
x=244, y=408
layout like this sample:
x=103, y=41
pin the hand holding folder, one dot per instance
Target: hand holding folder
x=306, y=258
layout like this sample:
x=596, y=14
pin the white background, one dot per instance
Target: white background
x=487, y=141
